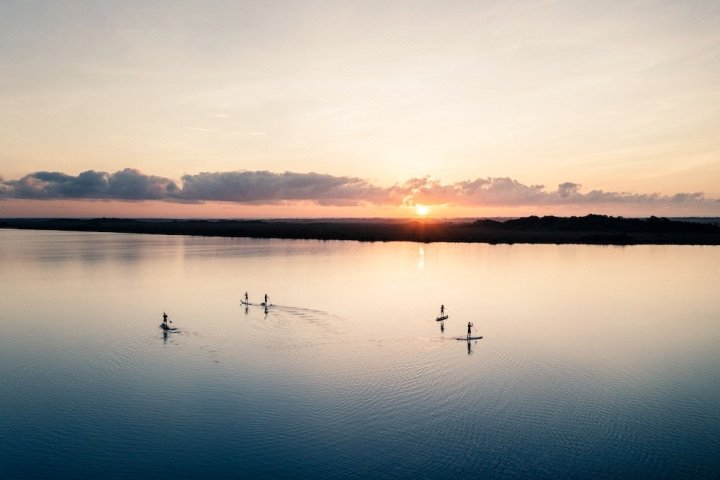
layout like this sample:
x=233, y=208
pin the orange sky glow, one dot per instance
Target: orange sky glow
x=359, y=109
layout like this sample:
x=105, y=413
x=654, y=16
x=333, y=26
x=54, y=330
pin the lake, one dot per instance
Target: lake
x=596, y=362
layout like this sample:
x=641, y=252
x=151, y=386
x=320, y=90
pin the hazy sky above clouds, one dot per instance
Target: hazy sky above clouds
x=363, y=98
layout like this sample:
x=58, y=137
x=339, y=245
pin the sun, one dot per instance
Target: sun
x=422, y=210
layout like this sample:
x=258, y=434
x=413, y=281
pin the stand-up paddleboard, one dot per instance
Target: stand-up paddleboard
x=263, y=304
x=441, y=318
x=168, y=328
x=466, y=338
x=245, y=303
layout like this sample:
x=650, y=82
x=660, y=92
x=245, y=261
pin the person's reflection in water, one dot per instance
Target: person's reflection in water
x=165, y=336
x=247, y=308
x=442, y=327
x=470, y=349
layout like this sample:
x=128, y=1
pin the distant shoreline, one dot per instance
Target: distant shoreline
x=590, y=229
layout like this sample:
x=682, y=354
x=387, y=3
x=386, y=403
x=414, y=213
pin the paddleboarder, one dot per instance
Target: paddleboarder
x=442, y=310
x=470, y=326
x=165, y=322
x=246, y=298
x=267, y=302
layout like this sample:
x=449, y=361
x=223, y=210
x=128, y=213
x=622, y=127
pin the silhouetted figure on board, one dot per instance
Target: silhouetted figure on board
x=165, y=321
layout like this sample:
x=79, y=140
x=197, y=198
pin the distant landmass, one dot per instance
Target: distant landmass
x=590, y=229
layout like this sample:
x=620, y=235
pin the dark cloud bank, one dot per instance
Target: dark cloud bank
x=263, y=187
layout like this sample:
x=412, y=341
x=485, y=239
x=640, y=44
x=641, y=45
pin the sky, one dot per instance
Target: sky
x=359, y=108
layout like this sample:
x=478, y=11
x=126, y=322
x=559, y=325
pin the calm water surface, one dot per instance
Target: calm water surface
x=597, y=362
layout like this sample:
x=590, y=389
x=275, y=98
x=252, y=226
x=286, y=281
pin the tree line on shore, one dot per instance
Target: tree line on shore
x=589, y=229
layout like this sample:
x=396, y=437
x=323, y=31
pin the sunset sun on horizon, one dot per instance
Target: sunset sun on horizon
x=422, y=210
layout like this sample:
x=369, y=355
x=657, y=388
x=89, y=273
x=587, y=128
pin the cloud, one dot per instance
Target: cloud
x=127, y=184
x=260, y=187
x=567, y=189
x=265, y=188
x=506, y=192
x=268, y=187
